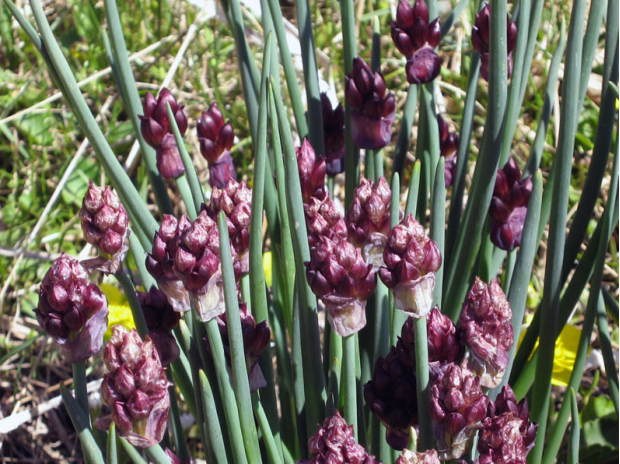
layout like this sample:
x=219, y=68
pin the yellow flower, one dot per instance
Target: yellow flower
x=267, y=261
x=565, y=353
x=119, y=310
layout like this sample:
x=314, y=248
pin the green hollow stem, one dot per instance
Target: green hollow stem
x=404, y=133
x=139, y=255
x=349, y=384
x=414, y=187
x=311, y=76
x=462, y=156
x=111, y=455
x=334, y=374
x=133, y=104
x=533, y=160
x=210, y=422
x=469, y=235
x=289, y=69
x=177, y=429
x=556, y=242
x=157, y=454
x=79, y=386
x=314, y=380
x=273, y=449
x=132, y=452
x=397, y=318
x=425, y=441
x=237, y=353
x=438, y=224
x=299, y=390
x=80, y=421
x=573, y=438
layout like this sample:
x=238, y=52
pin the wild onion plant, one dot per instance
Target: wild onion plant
x=423, y=295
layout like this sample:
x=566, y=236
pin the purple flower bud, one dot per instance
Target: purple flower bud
x=312, y=171
x=169, y=163
x=222, y=171
x=139, y=413
x=235, y=199
x=486, y=329
x=161, y=318
x=507, y=434
x=324, y=219
x=411, y=457
x=72, y=310
x=373, y=111
x=506, y=403
x=368, y=219
x=416, y=39
x=334, y=443
x=457, y=407
x=255, y=340
x=155, y=123
x=104, y=223
x=215, y=137
x=161, y=261
x=511, y=197
x=339, y=276
x=480, y=37
x=391, y=394
x=333, y=130
x=411, y=261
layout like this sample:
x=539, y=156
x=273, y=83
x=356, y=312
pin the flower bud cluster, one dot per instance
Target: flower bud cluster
x=72, y=310
x=511, y=197
x=334, y=443
x=448, y=144
x=417, y=39
x=135, y=387
x=411, y=261
x=312, y=169
x=333, y=132
x=480, y=39
x=216, y=138
x=372, y=108
x=161, y=319
x=157, y=132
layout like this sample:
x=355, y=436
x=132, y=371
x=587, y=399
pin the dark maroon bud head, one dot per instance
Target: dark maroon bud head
x=149, y=104
x=423, y=66
x=222, y=171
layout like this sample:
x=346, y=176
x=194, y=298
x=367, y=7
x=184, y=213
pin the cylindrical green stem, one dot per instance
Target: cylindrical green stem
x=422, y=385
x=350, y=390
x=79, y=385
x=134, y=303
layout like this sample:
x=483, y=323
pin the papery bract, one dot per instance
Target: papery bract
x=411, y=457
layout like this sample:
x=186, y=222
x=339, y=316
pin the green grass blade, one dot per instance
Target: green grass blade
x=133, y=104
x=289, y=69
x=404, y=133
x=314, y=381
x=237, y=353
x=311, y=76
x=137, y=210
x=197, y=195
x=468, y=241
x=438, y=223
x=517, y=293
x=81, y=424
x=573, y=439
x=555, y=244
